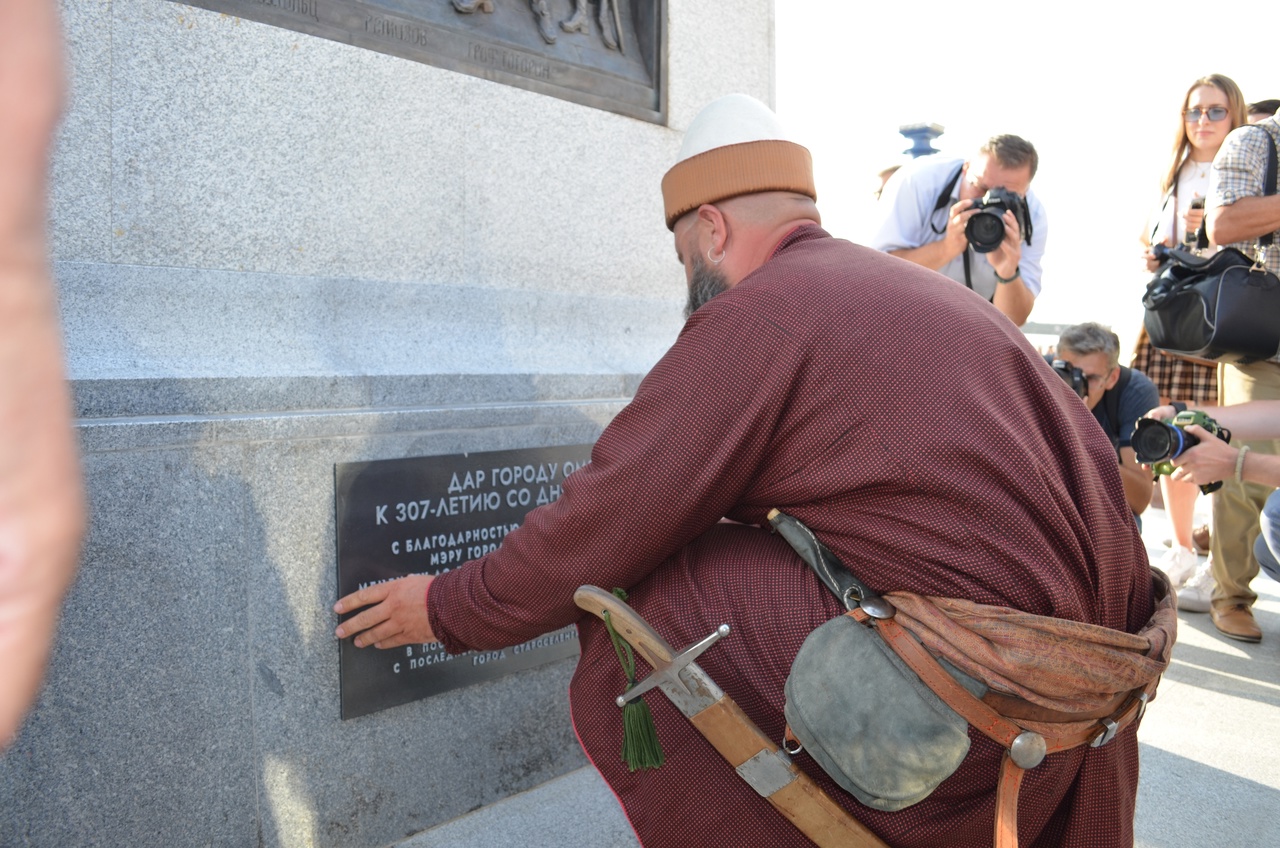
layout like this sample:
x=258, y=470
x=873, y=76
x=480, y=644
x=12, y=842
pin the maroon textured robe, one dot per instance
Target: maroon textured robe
x=915, y=430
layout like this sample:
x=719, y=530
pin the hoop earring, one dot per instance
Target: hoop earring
x=712, y=259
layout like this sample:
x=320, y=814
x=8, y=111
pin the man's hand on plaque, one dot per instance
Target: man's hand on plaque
x=396, y=614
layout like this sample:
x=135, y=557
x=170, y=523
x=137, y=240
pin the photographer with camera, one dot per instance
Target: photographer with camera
x=1235, y=466
x=974, y=221
x=1089, y=361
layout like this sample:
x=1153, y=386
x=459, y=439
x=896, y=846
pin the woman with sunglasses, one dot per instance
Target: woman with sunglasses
x=1212, y=107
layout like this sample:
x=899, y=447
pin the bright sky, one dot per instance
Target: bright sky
x=1095, y=86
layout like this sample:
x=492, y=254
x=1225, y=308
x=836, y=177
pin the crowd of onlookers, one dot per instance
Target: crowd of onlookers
x=1212, y=195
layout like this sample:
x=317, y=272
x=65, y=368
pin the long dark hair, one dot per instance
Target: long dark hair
x=1235, y=107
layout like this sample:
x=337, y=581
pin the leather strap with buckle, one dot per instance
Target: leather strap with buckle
x=997, y=715
x=1024, y=749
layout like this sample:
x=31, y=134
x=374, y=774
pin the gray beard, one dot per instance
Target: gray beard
x=704, y=284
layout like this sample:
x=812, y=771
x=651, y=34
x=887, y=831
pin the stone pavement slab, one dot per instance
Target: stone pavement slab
x=573, y=811
x=1209, y=741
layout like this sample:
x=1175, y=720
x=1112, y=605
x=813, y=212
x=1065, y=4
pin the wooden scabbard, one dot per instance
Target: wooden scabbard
x=731, y=732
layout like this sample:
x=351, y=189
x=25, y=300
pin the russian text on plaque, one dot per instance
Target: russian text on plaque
x=426, y=515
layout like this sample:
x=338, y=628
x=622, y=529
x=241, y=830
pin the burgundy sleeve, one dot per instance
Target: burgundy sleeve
x=667, y=468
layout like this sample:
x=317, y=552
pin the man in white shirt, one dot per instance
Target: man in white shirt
x=929, y=204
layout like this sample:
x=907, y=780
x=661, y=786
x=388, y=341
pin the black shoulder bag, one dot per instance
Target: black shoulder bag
x=1223, y=307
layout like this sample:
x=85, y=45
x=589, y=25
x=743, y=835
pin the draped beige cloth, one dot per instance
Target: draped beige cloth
x=1063, y=665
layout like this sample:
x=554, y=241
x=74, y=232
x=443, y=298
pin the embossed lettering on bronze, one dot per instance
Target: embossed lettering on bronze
x=610, y=54
x=426, y=515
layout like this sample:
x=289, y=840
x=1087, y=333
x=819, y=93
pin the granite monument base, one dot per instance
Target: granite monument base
x=193, y=695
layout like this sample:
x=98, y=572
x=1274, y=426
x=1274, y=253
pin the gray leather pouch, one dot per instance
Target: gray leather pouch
x=869, y=721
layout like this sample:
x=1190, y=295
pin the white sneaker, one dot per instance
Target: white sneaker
x=1178, y=564
x=1196, y=594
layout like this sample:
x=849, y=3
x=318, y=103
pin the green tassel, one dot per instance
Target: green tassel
x=640, y=748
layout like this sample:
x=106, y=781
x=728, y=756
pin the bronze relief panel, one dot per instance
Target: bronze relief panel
x=609, y=54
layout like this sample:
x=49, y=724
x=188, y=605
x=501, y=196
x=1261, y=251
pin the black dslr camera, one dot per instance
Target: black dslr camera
x=985, y=230
x=1157, y=442
x=1072, y=376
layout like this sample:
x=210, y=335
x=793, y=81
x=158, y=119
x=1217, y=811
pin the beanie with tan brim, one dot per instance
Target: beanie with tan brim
x=734, y=146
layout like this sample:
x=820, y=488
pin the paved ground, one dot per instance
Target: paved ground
x=1211, y=740
x=1210, y=755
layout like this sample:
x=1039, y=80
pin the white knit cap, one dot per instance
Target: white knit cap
x=736, y=145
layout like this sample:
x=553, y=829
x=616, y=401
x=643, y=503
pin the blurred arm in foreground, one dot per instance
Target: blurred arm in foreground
x=41, y=498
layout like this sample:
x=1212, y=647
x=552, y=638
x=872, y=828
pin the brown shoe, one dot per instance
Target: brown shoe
x=1200, y=539
x=1235, y=619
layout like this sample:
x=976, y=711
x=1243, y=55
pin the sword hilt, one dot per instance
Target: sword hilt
x=630, y=626
x=644, y=640
x=671, y=672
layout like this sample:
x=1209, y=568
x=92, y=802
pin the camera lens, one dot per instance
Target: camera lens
x=1155, y=441
x=985, y=230
x=1072, y=376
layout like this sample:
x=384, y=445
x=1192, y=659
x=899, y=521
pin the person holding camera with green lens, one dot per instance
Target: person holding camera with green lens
x=1206, y=461
x=975, y=221
x=1243, y=211
x=1116, y=395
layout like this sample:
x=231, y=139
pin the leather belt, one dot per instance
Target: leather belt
x=1011, y=706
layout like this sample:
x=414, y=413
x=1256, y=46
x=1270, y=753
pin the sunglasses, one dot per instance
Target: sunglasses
x=1214, y=113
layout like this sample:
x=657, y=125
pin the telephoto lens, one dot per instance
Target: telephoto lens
x=1155, y=441
x=1158, y=443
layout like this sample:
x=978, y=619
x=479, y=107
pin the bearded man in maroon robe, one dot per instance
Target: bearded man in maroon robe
x=909, y=424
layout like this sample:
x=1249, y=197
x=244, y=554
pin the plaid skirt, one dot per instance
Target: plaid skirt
x=1175, y=377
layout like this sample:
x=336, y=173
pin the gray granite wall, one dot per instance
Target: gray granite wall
x=277, y=253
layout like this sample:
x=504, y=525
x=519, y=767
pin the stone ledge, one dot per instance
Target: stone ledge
x=131, y=322
x=208, y=396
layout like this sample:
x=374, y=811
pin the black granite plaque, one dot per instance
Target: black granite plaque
x=610, y=54
x=426, y=515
